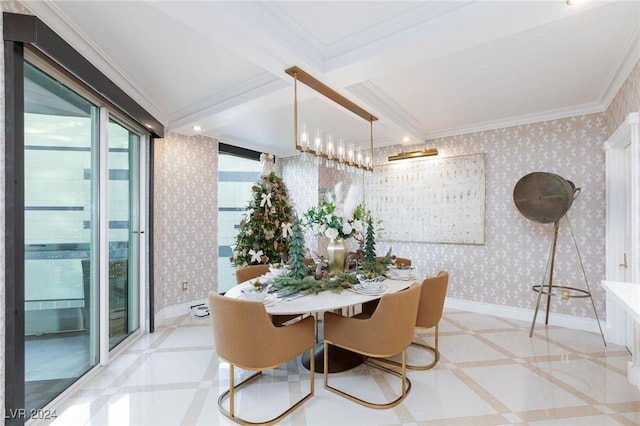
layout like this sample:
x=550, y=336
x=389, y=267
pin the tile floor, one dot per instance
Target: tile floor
x=490, y=373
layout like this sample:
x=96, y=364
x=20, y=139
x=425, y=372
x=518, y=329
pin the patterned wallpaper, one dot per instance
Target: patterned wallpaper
x=514, y=257
x=186, y=217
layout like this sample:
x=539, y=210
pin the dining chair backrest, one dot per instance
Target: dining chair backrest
x=403, y=261
x=246, y=273
x=244, y=334
x=432, y=295
x=390, y=328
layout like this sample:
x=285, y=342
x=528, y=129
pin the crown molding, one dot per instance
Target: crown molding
x=370, y=94
x=247, y=91
x=388, y=34
x=281, y=28
x=550, y=115
x=53, y=17
x=629, y=58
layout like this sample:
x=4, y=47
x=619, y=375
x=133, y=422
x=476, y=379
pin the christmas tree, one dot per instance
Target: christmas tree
x=265, y=232
x=298, y=268
x=370, y=242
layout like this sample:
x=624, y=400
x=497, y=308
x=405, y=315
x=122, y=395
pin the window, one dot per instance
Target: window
x=236, y=176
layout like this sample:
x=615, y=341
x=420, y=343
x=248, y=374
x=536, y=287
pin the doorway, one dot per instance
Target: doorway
x=622, y=222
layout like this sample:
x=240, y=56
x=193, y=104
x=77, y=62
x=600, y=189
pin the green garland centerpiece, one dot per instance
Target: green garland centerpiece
x=311, y=285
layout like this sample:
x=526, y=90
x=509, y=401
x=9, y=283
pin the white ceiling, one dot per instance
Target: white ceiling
x=424, y=68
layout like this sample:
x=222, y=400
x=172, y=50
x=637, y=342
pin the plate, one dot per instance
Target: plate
x=400, y=274
x=270, y=300
x=370, y=290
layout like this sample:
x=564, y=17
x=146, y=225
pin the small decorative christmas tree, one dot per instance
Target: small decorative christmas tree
x=298, y=269
x=265, y=232
x=370, y=242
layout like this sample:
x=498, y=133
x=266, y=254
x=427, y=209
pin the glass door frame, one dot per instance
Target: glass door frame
x=140, y=190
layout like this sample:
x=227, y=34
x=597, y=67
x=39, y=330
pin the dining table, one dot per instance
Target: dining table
x=345, y=300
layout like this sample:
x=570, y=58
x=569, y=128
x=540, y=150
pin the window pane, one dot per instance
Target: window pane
x=123, y=242
x=61, y=335
x=236, y=176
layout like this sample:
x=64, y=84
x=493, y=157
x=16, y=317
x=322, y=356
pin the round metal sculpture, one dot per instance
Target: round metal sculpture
x=544, y=197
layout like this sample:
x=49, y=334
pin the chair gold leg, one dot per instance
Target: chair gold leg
x=432, y=349
x=230, y=394
x=326, y=363
x=406, y=383
x=312, y=370
x=232, y=391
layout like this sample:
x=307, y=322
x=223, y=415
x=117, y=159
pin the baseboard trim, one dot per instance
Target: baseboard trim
x=522, y=314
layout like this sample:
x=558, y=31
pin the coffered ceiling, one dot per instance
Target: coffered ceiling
x=424, y=68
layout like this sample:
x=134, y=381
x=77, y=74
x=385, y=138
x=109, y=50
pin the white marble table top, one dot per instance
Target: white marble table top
x=324, y=301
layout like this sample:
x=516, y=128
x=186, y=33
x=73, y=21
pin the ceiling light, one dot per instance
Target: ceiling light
x=427, y=152
x=406, y=139
x=197, y=128
x=324, y=147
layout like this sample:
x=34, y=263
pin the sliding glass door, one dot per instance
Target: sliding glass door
x=61, y=304
x=82, y=234
x=123, y=232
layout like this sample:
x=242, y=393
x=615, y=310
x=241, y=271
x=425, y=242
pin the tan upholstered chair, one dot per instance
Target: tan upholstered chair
x=249, y=272
x=403, y=261
x=432, y=294
x=385, y=333
x=245, y=337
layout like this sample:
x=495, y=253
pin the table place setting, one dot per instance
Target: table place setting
x=370, y=289
x=370, y=286
x=404, y=273
x=259, y=295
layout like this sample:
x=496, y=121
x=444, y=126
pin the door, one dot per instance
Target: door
x=123, y=232
x=61, y=334
x=625, y=264
x=623, y=222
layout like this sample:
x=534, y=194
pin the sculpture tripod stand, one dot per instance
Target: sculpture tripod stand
x=546, y=198
x=566, y=292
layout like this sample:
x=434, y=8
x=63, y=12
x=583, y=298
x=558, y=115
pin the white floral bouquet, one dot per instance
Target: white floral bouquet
x=335, y=218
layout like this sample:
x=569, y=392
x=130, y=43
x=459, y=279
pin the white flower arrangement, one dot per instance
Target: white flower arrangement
x=336, y=218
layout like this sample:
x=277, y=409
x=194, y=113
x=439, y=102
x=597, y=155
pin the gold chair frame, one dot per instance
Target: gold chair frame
x=400, y=307
x=442, y=280
x=230, y=394
x=406, y=383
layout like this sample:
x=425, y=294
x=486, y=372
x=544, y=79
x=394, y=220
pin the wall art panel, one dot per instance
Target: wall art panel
x=435, y=200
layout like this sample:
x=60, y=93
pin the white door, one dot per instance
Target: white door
x=625, y=264
x=622, y=223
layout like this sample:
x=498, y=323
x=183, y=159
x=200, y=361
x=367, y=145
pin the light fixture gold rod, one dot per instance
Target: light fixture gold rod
x=295, y=111
x=370, y=167
x=325, y=90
